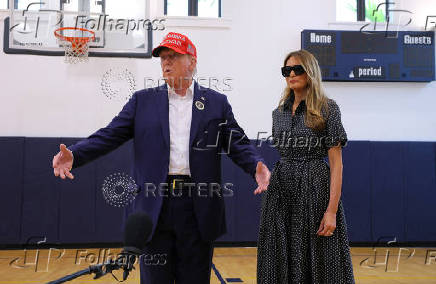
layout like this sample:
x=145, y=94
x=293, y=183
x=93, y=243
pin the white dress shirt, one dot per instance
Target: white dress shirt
x=180, y=116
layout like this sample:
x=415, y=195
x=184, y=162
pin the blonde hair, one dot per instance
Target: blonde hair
x=316, y=100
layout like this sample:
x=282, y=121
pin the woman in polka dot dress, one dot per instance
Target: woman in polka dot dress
x=303, y=234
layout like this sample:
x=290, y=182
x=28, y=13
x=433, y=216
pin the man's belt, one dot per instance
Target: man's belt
x=178, y=181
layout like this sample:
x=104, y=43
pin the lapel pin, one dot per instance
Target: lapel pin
x=202, y=98
x=199, y=105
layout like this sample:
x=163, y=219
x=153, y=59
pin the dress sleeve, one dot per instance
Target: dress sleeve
x=335, y=132
x=273, y=134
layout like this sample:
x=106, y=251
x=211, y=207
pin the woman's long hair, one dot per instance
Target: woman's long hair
x=316, y=100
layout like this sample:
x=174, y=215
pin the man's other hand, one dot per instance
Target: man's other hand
x=63, y=162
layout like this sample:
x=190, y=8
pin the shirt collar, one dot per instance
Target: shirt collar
x=290, y=102
x=189, y=92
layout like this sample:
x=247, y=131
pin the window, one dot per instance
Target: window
x=362, y=10
x=3, y=4
x=80, y=5
x=200, y=8
x=346, y=10
x=24, y=4
x=209, y=8
x=176, y=7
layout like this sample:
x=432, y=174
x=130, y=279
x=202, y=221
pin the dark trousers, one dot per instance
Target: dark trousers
x=176, y=253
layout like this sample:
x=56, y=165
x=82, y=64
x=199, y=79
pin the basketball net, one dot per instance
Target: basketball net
x=76, y=46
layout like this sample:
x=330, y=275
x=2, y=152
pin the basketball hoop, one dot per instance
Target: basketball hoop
x=77, y=45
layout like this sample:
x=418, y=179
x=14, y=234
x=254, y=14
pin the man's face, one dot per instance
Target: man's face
x=176, y=67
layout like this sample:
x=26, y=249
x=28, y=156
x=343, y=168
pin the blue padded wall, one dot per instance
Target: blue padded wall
x=11, y=187
x=420, y=195
x=77, y=208
x=41, y=195
x=389, y=191
x=356, y=190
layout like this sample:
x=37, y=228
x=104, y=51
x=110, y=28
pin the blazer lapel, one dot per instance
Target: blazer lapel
x=163, y=106
x=199, y=107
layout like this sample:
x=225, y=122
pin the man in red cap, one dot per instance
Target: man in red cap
x=178, y=61
x=174, y=127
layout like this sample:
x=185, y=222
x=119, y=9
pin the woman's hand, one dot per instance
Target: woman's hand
x=262, y=177
x=328, y=225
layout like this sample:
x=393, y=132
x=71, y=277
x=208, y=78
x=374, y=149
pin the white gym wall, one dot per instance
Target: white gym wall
x=41, y=96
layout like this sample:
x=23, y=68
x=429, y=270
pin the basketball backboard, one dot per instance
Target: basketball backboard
x=122, y=28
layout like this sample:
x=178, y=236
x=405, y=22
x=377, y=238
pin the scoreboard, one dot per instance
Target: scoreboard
x=403, y=56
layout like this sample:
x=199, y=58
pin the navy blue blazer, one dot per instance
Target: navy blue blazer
x=145, y=119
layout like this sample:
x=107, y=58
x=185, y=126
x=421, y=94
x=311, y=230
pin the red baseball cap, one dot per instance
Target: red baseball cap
x=177, y=42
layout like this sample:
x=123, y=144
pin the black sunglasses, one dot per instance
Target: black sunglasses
x=298, y=70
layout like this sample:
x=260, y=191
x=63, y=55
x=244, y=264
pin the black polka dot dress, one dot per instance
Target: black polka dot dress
x=289, y=250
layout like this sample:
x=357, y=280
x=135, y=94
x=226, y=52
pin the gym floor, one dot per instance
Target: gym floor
x=231, y=265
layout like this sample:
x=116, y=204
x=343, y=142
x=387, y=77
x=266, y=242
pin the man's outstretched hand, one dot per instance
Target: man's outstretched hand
x=63, y=162
x=262, y=177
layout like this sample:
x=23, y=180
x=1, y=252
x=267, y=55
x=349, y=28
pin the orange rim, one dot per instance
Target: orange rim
x=74, y=39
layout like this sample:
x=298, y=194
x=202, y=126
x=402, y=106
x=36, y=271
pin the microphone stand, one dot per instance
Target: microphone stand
x=124, y=261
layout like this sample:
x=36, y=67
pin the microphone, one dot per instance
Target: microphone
x=137, y=230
